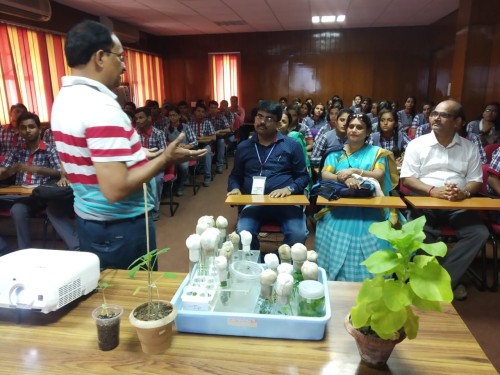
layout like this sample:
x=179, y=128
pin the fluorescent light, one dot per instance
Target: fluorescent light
x=327, y=19
x=315, y=19
x=341, y=18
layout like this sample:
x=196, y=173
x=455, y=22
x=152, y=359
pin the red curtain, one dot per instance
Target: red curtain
x=224, y=73
x=144, y=76
x=32, y=63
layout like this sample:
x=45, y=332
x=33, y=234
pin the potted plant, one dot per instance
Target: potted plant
x=152, y=319
x=107, y=318
x=405, y=278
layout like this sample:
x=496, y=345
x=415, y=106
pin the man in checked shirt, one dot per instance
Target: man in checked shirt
x=35, y=163
x=153, y=139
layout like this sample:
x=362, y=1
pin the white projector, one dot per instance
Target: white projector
x=46, y=280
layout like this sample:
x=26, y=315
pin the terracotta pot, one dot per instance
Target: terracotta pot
x=155, y=335
x=373, y=350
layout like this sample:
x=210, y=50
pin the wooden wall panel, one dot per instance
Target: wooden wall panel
x=493, y=82
x=380, y=63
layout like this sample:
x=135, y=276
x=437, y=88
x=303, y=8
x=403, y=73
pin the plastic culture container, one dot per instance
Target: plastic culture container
x=311, y=298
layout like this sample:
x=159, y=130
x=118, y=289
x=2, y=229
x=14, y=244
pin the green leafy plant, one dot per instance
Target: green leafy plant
x=147, y=262
x=101, y=286
x=404, y=278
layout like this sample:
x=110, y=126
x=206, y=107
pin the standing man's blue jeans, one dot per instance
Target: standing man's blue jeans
x=291, y=219
x=117, y=243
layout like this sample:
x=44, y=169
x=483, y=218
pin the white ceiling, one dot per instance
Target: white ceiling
x=190, y=17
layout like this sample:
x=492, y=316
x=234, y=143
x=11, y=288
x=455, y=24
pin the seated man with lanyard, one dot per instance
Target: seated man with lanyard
x=35, y=163
x=270, y=163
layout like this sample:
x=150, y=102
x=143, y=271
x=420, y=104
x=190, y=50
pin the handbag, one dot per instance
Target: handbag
x=332, y=190
x=51, y=192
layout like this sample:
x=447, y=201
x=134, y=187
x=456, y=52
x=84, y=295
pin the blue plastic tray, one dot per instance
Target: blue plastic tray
x=253, y=325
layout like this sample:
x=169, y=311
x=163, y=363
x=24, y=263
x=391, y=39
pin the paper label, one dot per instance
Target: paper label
x=239, y=322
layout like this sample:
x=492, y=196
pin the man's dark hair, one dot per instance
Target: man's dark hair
x=146, y=110
x=213, y=102
x=132, y=104
x=29, y=116
x=18, y=106
x=84, y=39
x=152, y=104
x=271, y=107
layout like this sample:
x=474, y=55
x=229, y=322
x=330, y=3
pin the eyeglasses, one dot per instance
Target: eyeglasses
x=441, y=114
x=266, y=119
x=491, y=110
x=121, y=56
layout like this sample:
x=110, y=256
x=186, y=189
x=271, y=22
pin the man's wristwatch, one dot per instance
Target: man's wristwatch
x=291, y=189
x=467, y=193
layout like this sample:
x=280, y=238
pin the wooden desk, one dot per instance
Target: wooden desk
x=65, y=342
x=475, y=203
x=205, y=139
x=243, y=199
x=16, y=189
x=374, y=202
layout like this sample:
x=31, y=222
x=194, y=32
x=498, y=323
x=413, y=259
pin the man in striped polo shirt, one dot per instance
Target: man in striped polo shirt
x=101, y=151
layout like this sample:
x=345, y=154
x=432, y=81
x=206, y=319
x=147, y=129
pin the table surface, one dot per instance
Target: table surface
x=475, y=203
x=242, y=199
x=65, y=341
x=16, y=189
x=375, y=202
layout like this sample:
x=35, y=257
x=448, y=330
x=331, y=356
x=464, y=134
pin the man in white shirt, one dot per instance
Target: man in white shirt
x=444, y=165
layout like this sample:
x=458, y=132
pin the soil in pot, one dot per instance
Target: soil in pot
x=108, y=326
x=153, y=312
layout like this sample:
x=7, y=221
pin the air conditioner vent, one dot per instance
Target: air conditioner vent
x=231, y=23
x=34, y=10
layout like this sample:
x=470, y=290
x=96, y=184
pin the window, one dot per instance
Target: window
x=32, y=63
x=224, y=74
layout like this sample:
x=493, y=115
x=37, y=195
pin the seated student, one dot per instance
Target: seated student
x=317, y=119
x=389, y=137
x=332, y=120
x=423, y=117
x=152, y=139
x=287, y=128
x=406, y=115
x=493, y=186
x=331, y=139
x=203, y=129
x=189, y=142
x=273, y=164
x=293, y=110
x=342, y=237
x=356, y=104
x=35, y=163
x=221, y=126
x=488, y=126
x=9, y=134
x=224, y=110
x=427, y=171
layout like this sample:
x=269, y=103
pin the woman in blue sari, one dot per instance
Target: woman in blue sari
x=342, y=237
